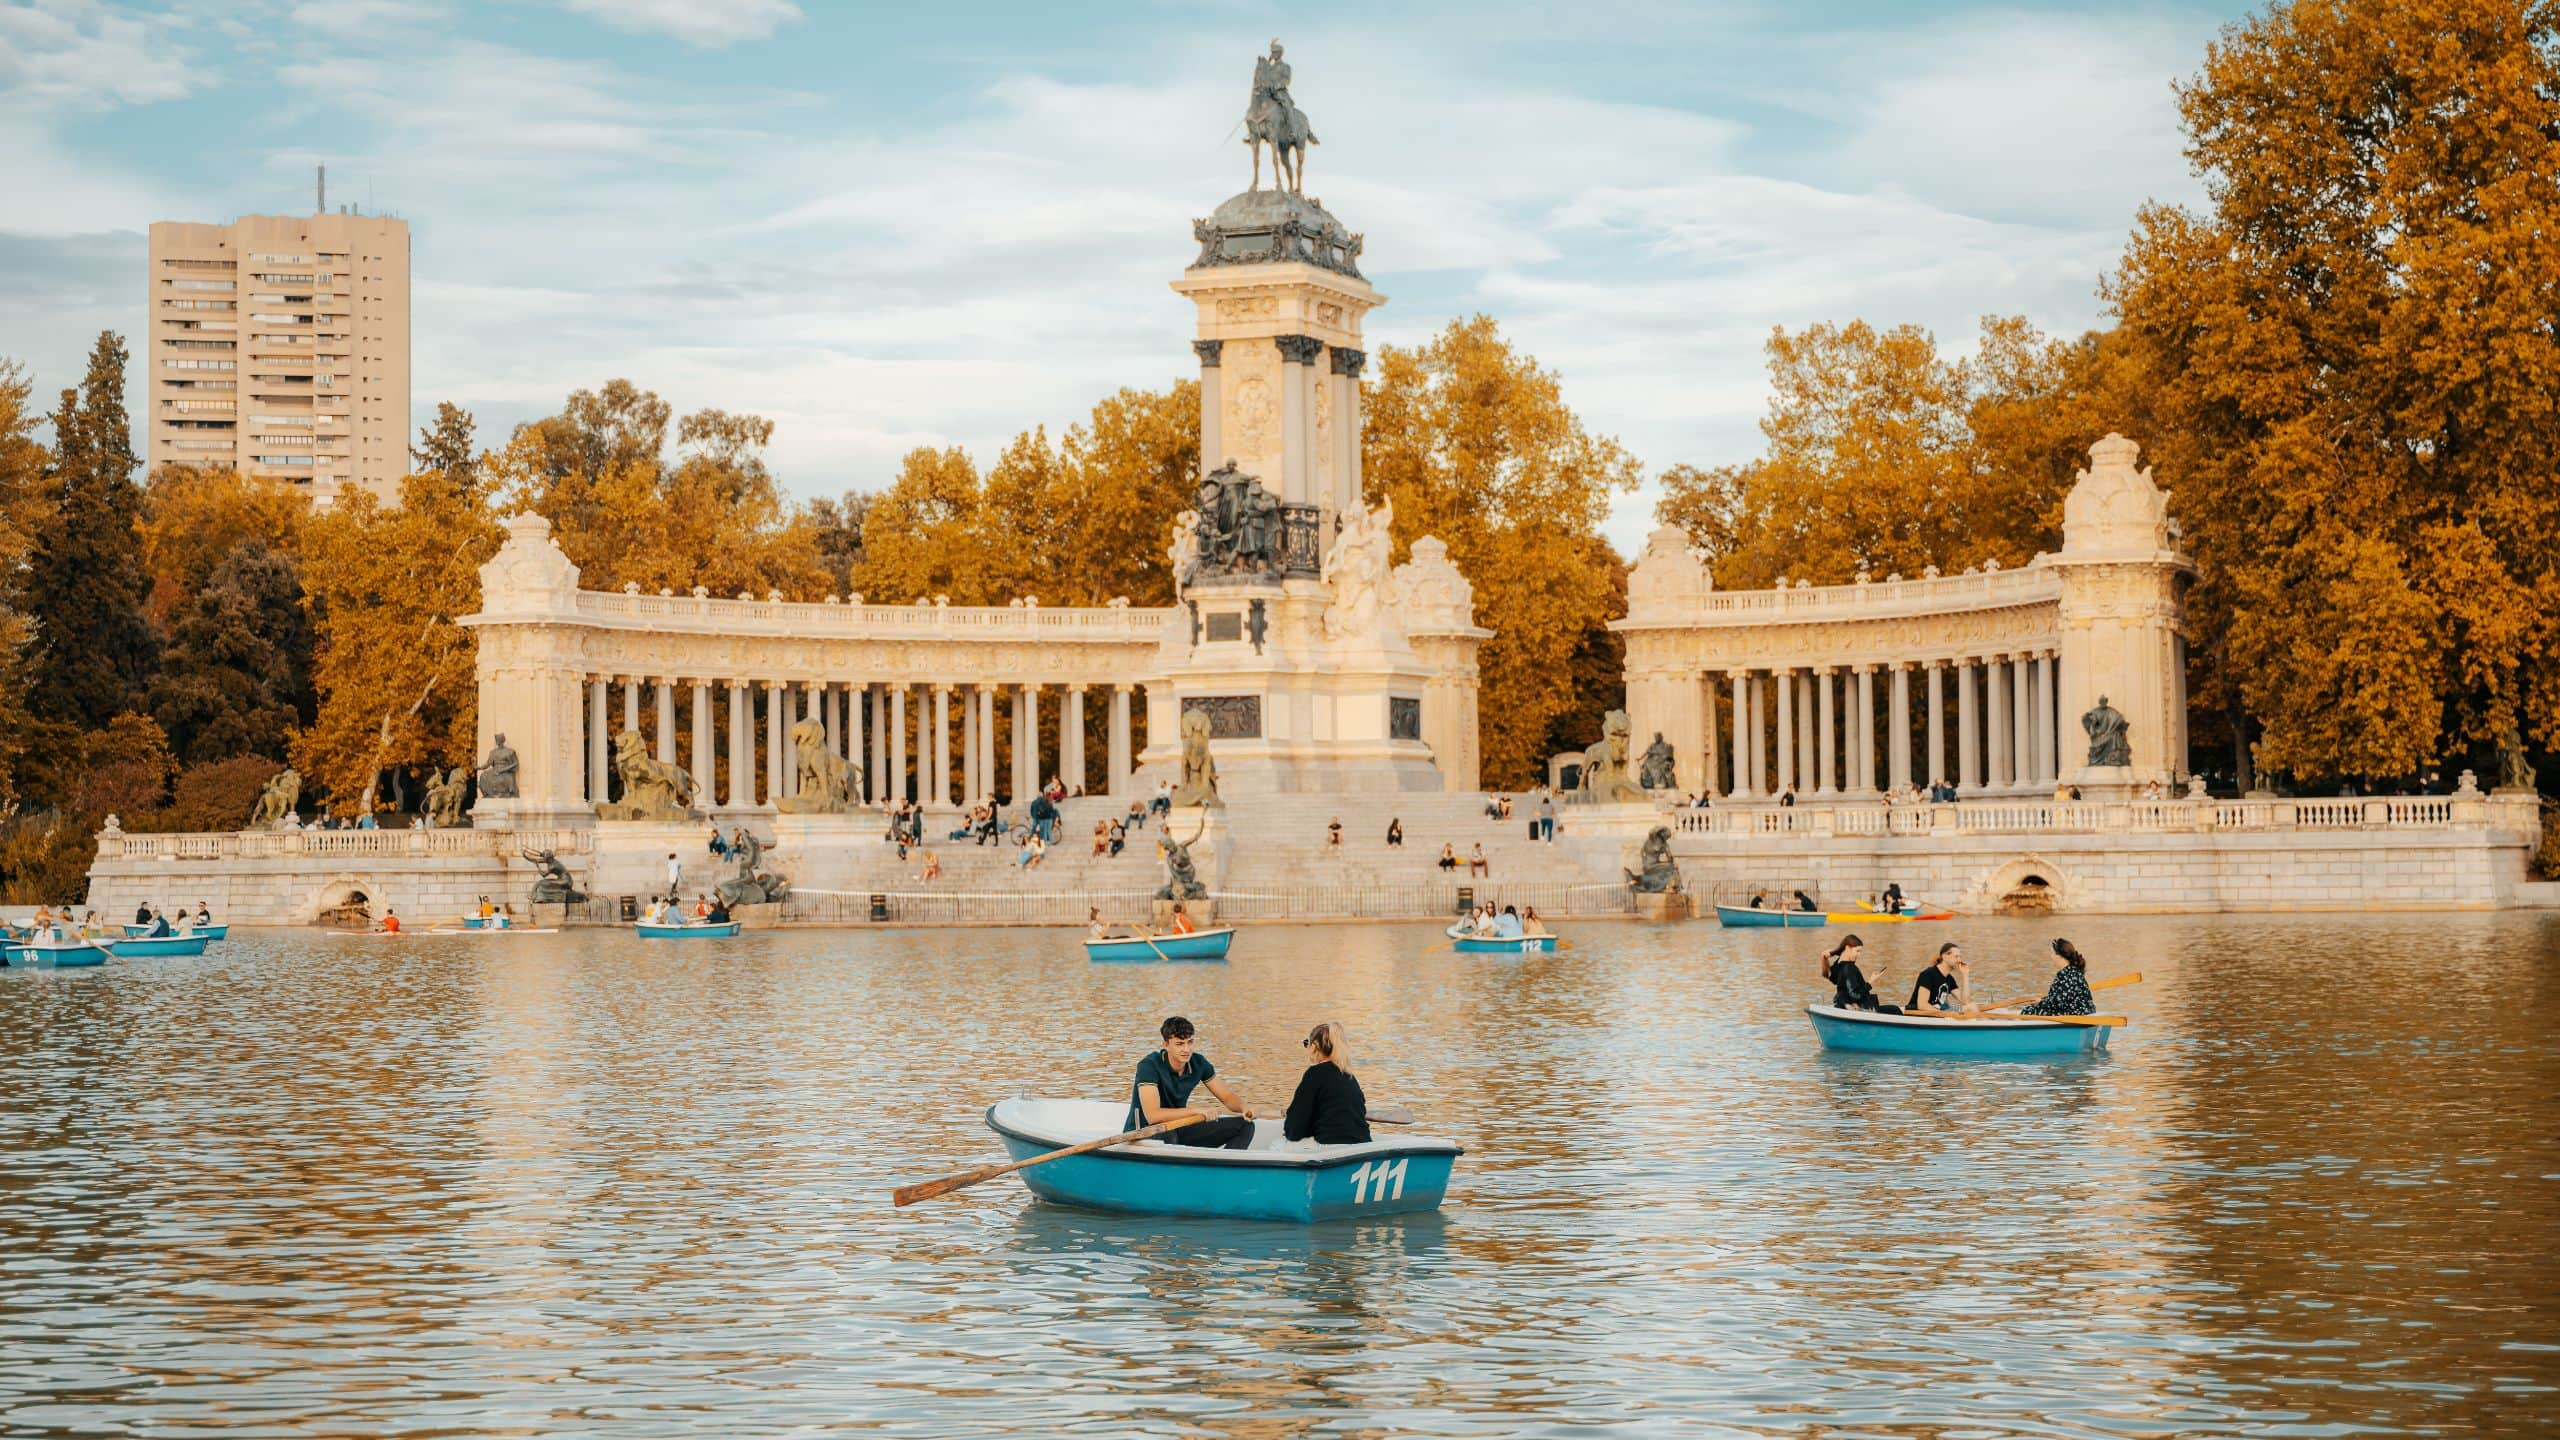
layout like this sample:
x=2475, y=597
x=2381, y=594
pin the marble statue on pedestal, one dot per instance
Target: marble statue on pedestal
x=652, y=789
x=1357, y=572
x=2513, y=773
x=277, y=800
x=444, y=797
x=2107, y=743
x=498, y=772
x=1199, y=769
x=1604, y=766
x=1272, y=118
x=1661, y=874
x=1657, y=771
x=826, y=781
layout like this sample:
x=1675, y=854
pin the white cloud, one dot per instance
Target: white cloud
x=709, y=24
x=79, y=55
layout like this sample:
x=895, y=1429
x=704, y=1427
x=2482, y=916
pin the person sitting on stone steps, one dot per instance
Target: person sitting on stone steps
x=1162, y=1091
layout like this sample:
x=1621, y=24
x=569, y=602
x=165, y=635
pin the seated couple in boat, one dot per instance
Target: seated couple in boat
x=1803, y=903
x=1328, y=1108
x=1946, y=986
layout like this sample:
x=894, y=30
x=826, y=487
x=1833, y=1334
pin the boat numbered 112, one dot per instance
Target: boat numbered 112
x=1746, y=917
x=692, y=930
x=1467, y=944
x=1269, y=1181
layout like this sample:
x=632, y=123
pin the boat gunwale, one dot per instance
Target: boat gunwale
x=1906, y=1020
x=1250, y=1159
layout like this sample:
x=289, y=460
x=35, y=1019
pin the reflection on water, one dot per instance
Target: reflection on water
x=576, y=1183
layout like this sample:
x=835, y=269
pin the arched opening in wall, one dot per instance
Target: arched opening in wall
x=344, y=906
x=2031, y=894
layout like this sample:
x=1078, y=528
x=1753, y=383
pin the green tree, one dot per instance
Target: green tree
x=95, y=649
x=236, y=678
x=2353, y=351
x=1474, y=443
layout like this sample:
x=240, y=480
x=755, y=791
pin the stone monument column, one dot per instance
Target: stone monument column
x=533, y=687
x=599, y=741
x=742, y=749
x=972, y=784
x=1936, y=769
x=2123, y=620
x=1996, y=711
x=665, y=687
x=1898, y=746
x=774, y=755
x=1968, y=732
x=938, y=787
x=1786, y=729
x=1071, y=740
x=897, y=745
x=702, y=772
x=1345, y=379
x=1213, y=404
x=1866, y=723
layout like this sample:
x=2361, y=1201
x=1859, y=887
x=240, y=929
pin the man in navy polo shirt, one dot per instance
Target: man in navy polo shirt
x=1165, y=1081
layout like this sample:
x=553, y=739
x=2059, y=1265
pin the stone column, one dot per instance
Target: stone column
x=2022, y=738
x=1936, y=769
x=773, y=723
x=1786, y=680
x=987, y=738
x=631, y=702
x=1826, y=729
x=742, y=750
x=702, y=737
x=1898, y=742
x=1213, y=409
x=1346, y=428
x=937, y=785
x=1995, y=704
x=972, y=784
x=599, y=744
x=897, y=745
x=1746, y=732
x=1968, y=732
x=1116, y=762
x=1865, y=718
x=2048, y=730
x=1297, y=416
x=1710, y=736
x=666, y=696
x=1737, y=726
x=1071, y=740
x=876, y=699
x=830, y=711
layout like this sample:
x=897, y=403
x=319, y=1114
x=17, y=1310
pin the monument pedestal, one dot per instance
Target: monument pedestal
x=631, y=857
x=514, y=814
x=1663, y=905
x=820, y=852
x=2104, y=782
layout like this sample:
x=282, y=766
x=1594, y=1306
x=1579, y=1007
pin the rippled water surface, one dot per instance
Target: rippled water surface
x=583, y=1184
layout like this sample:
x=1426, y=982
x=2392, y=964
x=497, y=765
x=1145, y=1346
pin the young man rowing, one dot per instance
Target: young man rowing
x=1163, y=1089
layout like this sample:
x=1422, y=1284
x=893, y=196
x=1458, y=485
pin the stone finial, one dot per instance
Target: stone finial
x=630, y=587
x=773, y=597
x=940, y=602
x=2195, y=787
x=1430, y=593
x=1117, y=602
x=746, y=594
x=2114, y=508
x=668, y=591
x=854, y=599
x=2469, y=784
x=1929, y=572
x=1991, y=566
x=115, y=826
x=529, y=572
x=1864, y=578
x=701, y=592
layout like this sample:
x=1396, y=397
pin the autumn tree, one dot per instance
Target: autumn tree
x=2356, y=362
x=23, y=508
x=393, y=672
x=920, y=536
x=95, y=648
x=1474, y=443
x=627, y=512
x=192, y=520
x=1885, y=456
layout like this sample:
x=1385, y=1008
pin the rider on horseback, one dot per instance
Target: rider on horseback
x=1273, y=119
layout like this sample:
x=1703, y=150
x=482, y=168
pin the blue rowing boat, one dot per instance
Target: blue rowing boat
x=1467, y=944
x=1745, y=917
x=144, y=946
x=1268, y=1181
x=209, y=932
x=695, y=930
x=63, y=952
x=1989, y=1038
x=1196, y=945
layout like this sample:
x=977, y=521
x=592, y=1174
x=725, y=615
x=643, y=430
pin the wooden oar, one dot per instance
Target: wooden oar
x=2096, y=985
x=932, y=1189
x=1391, y=1115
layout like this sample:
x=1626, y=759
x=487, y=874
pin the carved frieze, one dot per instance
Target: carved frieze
x=1231, y=717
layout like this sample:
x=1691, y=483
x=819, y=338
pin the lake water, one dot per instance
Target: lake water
x=582, y=1184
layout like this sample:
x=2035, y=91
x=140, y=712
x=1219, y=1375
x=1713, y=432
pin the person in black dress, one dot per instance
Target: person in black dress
x=1945, y=985
x=1849, y=987
x=1328, y=1108
x=2069, y=994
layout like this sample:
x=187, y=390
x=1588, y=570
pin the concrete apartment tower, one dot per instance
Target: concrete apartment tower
x=279, y=345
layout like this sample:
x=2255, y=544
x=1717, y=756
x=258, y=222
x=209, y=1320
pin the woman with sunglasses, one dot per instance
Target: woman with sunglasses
x=1328, y=1108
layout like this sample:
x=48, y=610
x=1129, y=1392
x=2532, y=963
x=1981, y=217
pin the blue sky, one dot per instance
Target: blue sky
x=932, y=224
